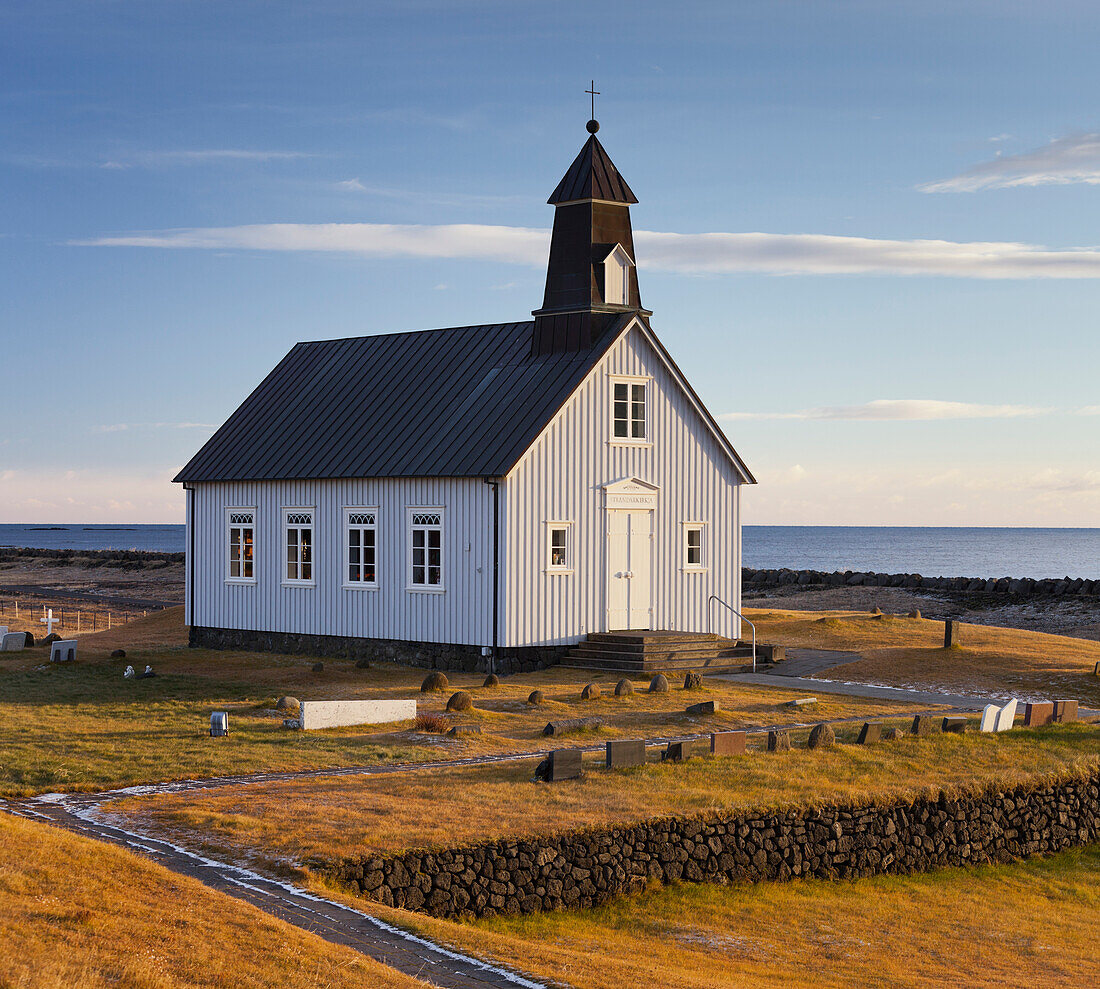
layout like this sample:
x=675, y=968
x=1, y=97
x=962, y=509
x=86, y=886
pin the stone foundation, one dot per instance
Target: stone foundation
x=452, y=657
x=584, y=869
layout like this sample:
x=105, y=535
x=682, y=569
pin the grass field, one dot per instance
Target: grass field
x=904, y=652
x=1026, y=924
x=84, y=727
x=75, y=912
x=329, y=818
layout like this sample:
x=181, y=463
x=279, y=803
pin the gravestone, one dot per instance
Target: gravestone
x=591, y=692
x=1039, y=713
x=659, y=684
x=13, y=641
x=572, y=724
x=821, y=736
x=923, y=725
x=338, y=714
x=63, y=651
x=565, y=764
x=951, y=631
x=779, y=740
x=624, y=753
x=692, y=680
x=891, y=734
x=219, y=724
x=455, y=730
x=802, y=702
x=989, y=718
x=678, y=751
x=624, y=688
x=3, y=630
x=49, y=621
x=434, y=681
x=492, y=680
x=1006, y=716
x=1065, y=712
x=460, y=700
x=870, y=733
x=729, y=743
x=535, y=698
x=705, y=707
x=956, y=726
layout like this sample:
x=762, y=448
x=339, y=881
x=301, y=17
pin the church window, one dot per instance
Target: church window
x=298, y=545
x=425, y=549
x=241, y=543
x=559, y=549
x=361, y=546
x=693, y=546
x=629, y=411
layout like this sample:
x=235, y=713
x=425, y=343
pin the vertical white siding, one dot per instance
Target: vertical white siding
x=462, y=614
x=562, y=477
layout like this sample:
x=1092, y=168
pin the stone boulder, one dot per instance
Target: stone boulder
x=624, y=688
x=434, y=681
x=658, y=685
x=318, y=667
x=692, y=680
x=535, y=698
x=50, y=639
x=821, y=737
x=118, y=654
x=460, y=701
x=492, y=680
x=591, y=692
x=288, y=704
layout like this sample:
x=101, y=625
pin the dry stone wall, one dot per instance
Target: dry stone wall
x=588, y=868
x=1013, y=587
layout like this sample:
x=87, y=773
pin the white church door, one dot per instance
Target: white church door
x=629, y=547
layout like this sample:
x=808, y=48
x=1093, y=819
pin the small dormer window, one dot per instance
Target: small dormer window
x=616, y=277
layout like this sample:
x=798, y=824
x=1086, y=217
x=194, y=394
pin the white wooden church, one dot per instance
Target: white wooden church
x=446, y=496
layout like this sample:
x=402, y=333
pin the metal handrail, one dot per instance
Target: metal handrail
x=715, y=597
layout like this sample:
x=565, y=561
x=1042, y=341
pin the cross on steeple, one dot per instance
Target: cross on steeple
x=593, y=92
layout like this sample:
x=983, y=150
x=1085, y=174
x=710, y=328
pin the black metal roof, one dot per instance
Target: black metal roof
x=592, y=175
x=460, y=402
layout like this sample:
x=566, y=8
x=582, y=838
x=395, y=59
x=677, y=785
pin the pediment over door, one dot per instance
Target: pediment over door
x=630, y=492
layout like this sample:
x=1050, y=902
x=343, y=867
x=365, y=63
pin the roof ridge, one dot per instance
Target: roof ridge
x=512, y=324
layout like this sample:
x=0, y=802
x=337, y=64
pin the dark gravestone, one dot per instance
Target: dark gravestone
x=870, y=733
x=692, y=680
x=821, y=736
x=572, y=724
x=924, y=725
x=729, y=743
x=706, y=707
x=1065, y=711
x=679, y=751
x=956, y=726
x=1041, y=713
x=779, y=740
x=950, y=633
x=891, y=734
x=456, y=730
x=565, y=764
x=625, y=753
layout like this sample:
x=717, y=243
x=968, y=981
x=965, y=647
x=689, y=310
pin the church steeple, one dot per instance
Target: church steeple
x=591, y=279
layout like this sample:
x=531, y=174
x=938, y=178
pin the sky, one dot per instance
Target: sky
x=868, y=232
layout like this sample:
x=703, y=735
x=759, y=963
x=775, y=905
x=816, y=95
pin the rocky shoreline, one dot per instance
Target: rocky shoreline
x=1013, y=587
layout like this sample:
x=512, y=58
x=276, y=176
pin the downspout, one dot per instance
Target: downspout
x=495, y=483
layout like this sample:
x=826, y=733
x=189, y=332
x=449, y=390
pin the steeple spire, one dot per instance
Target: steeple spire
x=591, y=278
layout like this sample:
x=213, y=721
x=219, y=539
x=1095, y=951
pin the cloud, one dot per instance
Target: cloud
x=899, y=409
x=60, y=496
x=120, y=427
x=709, y=253
x=1089, y=410
x=1065, y=161
x=200, y=156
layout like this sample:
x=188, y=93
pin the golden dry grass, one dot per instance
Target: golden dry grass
x=909, y=652
x=83, y=727
x=329, y=818
x=74, y=912
x=1029, y=923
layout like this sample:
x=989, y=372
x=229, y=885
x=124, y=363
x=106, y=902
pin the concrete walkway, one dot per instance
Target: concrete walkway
x=962, y=702
x=807, y=662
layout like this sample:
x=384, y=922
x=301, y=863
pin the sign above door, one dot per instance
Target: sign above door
x=630, y=492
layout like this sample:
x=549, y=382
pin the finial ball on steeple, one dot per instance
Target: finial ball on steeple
x=592, y=126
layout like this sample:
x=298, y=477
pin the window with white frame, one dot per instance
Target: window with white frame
x=241, y=543
x=361, y=547
x=425, y=549
x=298, y=545
x=694, y=558
x=559, y=547
x=629, y=410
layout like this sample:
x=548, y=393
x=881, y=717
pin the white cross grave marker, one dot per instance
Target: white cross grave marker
x=49, y=621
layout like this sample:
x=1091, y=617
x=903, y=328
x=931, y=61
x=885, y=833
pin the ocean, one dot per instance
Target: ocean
x=933, y=552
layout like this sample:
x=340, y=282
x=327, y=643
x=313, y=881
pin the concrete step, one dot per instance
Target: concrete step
x=700, y=666
x=658, y=656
